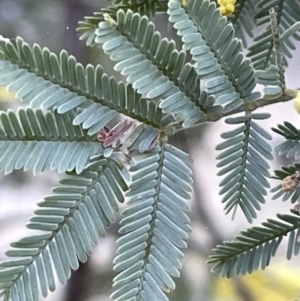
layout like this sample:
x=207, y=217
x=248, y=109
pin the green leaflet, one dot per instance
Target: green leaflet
x=255, y=247
x=288, y=131
x=71, y=221
x=154, y=226
x=243, y=160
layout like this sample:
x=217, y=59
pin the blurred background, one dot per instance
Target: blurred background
x=53, y=24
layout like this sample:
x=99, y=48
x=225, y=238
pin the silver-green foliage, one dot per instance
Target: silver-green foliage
x=71, y=222
x=65, y=127
x=262, y=51
x=152, y=65
x=148, y=253
x=289, y=148
x=216, y=51
x=33, y=139
x=255, y=247
x=243, y=160
x=242, y=19
x=150, y=8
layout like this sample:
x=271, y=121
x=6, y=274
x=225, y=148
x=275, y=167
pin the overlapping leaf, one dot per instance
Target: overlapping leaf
x=154, y=226
x=69, y=223
x=279, y=191
x=243, y=19
x=217, y=53
x=243, y=160
x=149, y=8
x=161, y=86
x=270, y=78
x=255, y=247
x=291, y=149
x=291, y=146
x=153, y=65
x=287, y=13
x=35, y=140
x=40, y=78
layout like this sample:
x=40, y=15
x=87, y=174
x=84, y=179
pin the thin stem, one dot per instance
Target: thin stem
x=248, y=106
x=277, y=47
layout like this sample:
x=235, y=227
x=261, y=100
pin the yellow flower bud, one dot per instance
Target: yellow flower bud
x=223, y=9
x=230, y=8
x=184, y=2
x=297, y=102
x=227, y=7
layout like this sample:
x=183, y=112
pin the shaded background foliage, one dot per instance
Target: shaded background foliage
x=53, y=24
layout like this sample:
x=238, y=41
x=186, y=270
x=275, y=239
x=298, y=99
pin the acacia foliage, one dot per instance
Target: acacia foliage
x=65, y=127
